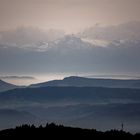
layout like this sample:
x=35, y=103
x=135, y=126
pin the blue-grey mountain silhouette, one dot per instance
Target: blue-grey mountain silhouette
x=104, y=108
x=91, y=82
x=6, y=86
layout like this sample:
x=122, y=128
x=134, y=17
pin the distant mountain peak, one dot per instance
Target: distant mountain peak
x=76, y=81
x=6, y=86
x=3, y=82
x=74, y=77
x=70, y=77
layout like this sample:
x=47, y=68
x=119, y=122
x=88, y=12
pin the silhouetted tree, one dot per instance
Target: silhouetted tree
x=59, y=131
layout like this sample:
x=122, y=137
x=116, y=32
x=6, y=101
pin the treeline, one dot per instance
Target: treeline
x=54, y=131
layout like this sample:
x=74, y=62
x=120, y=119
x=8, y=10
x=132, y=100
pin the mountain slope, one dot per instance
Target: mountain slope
x=12, y=117
x=75, y=94
x=90, y=82
x=104, y=108
x=6, y=86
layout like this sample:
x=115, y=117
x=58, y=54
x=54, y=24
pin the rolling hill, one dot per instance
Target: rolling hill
x=104, y=108
x=90, y=82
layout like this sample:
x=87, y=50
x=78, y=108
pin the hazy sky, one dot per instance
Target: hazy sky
x=27, y=50
x=69, y=15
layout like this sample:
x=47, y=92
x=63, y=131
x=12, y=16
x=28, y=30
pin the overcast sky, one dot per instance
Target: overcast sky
x=28, y=51
x=68, y=15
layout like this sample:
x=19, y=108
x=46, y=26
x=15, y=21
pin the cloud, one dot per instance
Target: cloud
x=28, y=36
x=73, y=54
x=18, y=77
x=19, y=80
x=126, y=31
x=96, y=42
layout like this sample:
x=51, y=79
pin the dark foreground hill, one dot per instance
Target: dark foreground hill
x=59, y=131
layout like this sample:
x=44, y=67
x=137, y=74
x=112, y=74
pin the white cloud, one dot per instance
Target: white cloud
x=96, y=42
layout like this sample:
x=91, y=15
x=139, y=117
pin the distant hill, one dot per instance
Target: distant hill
x=90, y=82
x=75, y=94
x=6, y=86
x=8, y=117
x=87, y=107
